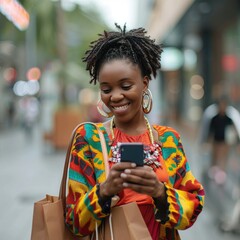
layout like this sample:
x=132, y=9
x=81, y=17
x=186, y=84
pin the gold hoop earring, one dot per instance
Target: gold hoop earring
x=147, y=101
x=103, y=109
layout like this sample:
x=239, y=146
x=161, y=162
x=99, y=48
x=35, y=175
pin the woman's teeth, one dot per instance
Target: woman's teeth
x=121, y=107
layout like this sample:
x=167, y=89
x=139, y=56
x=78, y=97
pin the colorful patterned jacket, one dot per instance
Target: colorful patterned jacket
x=185, y=195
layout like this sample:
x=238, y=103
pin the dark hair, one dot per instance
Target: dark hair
x=133, y=45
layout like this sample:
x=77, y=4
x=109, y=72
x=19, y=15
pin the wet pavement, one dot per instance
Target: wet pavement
x=30, y=168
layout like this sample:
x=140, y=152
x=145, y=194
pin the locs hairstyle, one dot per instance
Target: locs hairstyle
x=133, y=45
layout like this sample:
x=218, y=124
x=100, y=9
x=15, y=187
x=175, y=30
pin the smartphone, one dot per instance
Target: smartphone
x=132, y=152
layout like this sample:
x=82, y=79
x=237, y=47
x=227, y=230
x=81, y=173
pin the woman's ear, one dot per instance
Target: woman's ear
x=145, y=83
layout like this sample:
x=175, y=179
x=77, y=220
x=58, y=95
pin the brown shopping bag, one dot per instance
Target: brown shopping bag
x=126, y=222
x=48, y=221
x=48, y=214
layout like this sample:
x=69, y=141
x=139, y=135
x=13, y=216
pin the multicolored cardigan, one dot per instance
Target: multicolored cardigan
x=185, y=195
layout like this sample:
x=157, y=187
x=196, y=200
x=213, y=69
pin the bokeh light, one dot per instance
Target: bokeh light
x=9, y=74
x=16, y=13
x=23, y=88
x=197, y=79
x=33, y=73
x=196, y=88
x=196, y=92
x=171, y=59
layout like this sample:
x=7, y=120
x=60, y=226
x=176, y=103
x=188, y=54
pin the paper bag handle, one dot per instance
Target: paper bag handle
x=62, y=192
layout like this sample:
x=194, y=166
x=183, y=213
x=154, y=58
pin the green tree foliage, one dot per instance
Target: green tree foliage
x=79, y=28
x=61, y=36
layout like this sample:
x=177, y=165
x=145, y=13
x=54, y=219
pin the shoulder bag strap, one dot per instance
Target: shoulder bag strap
x=62, y=192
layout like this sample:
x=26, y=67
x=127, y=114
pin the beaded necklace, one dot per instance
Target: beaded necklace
x=151, y=153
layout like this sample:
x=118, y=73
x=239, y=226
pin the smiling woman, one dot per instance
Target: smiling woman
x=121, y=84
x=166, y=192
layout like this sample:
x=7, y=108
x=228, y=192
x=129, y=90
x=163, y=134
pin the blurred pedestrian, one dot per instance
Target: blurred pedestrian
x=168, y=195
x=221, y=124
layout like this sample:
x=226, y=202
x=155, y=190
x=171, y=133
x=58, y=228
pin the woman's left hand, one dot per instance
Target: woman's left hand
x=143, y=180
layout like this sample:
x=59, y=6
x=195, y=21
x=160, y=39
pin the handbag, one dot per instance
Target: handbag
x=124, y=222
x=48, y=221
x=48, y=213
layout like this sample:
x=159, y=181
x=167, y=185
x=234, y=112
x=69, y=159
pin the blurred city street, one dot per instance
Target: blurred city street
x=29, y=168
x=45, y=93
x=27, y=174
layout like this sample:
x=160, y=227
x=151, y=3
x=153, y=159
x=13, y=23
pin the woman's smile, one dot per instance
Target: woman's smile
x=120, y=109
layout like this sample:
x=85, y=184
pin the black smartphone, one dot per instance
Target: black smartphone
x=132, y=152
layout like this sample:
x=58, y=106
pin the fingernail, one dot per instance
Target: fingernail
x=133, y=164
x=127, y=171
x=123, y=175
x=125, y=184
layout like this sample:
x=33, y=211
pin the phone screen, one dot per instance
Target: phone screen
x=132, y=152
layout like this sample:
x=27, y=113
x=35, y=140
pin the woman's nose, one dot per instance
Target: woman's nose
x=116, y=96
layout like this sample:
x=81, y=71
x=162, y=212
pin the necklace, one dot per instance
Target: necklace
x=148, y=127
x=151, y=153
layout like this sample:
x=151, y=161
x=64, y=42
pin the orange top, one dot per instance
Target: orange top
x=127, y=195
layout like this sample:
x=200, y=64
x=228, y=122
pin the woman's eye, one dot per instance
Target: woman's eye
x=127, y=87
x=106, y=91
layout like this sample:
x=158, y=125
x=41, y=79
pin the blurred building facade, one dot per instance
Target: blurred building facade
x=201, y=58
x=53, y=44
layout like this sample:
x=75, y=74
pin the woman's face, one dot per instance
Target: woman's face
x=122, y=87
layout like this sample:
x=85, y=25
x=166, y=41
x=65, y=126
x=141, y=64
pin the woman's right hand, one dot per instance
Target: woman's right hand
x=114, y=183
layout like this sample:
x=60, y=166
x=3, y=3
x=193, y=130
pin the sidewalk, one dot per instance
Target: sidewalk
x=27, y=173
